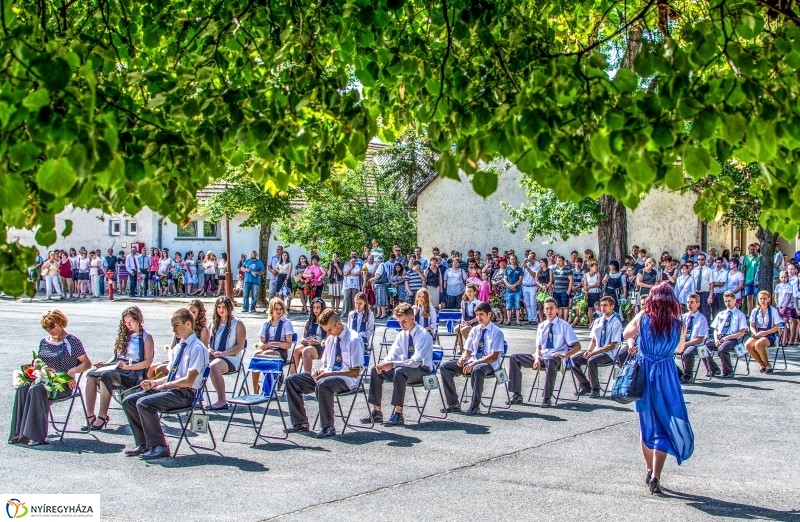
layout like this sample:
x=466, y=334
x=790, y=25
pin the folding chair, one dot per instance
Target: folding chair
x=271, y=369
x=429, y=382
x=741, y=353
x=290, y=354
x=197, y=402
x=500, y=377
x=450, y=319
x=61, y=427
x=567, y=366
x=614, y=369
x=392, y=327
x=355, y=392
x=780, y=348
x=238, y=371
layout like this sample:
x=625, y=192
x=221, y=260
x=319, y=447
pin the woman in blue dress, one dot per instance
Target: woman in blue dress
x=663, y=418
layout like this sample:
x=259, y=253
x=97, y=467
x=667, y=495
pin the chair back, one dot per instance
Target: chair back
x=367, y=357
x=393, y=323
x=271, y=369
x=438, y=356
x=198, y=393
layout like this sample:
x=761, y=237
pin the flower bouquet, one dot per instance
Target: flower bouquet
x=495, y=303
x=541, y=296
x=580, y=309
x=626, y=309
x=37, y=372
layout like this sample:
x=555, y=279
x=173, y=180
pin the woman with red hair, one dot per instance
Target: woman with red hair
x=658, y=332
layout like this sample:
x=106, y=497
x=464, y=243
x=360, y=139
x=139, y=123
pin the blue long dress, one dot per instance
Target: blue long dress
x=663, y=418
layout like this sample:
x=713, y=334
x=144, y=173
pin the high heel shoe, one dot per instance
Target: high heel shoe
x=86, y=428
x=104, y=423
x=648, y=477
x=655, y=486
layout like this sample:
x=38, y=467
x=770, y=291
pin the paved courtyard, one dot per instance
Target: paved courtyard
x=577, y=461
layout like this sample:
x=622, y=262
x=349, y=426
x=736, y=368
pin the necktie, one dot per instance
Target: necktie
x=689, y=327
x=337, y=363
x=603, y=332
x=548, y=343
x=135, y=264
x=699, y=278
x=481, y=344
x=410, y=345
x=175, y=362
x=223, y=341
x=726, y=326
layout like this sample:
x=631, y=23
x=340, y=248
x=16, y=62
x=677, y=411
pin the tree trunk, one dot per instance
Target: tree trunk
x=612, y=232
x=768, y=240
x=263, y=254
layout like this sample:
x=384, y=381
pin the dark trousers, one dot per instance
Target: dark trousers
x=348, y=300
x=718, y=305
x=520, y=360
x=705, y=308
x=133, y=284
x=450, y=369
x=400, y=377
x=724, y=351
x=687, y=362
x=593, y=363
x=142, y=411
x=326, y=389
x=30, y=411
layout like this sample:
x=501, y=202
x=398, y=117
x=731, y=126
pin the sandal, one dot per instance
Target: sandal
x=104, y=422
x=86, y=428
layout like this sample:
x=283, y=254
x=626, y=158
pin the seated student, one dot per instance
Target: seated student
x=133, y=354
x=696, y=333
x=764, y=326
x=228, y=336
x=424, y=312
x=276, y=336
x=61, y=351
x=187, y=363
x=555, y=340
x=342, y=361
x=481, y=357
x=312, y=344
x=469, y=304
x=730, y=326
x=409, y=359
x=362, y=320
x=605, y=347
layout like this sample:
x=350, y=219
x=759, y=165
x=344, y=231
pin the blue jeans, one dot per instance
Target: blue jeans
x=250, y=297
x=513, y=299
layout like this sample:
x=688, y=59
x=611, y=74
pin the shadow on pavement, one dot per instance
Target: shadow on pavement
x=706, y=393
x=370, y=436
x=512, y=415
x=448, y=425
x=592, y=406
x=80, y=446
x=284, y=446
x=209, y=459
x=731, y=510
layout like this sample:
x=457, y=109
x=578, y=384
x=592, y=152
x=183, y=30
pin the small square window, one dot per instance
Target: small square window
x=189, y=230
x=133, y=228
x=210, y=229
x=115, y=227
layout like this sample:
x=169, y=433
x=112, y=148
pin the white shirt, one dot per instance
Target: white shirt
x=423, y=349
x=352, y=276
x=194, y=357
x=493, y=341
x=784, y=295
x=738, y=322
x=287, y=329
x=765, y=321
x=705, y=280
x=352, y=353
x=431, y=320
x=230, y=342
x=563, y=337
x=528, y=278
x=613, y=333
x=684, y=285
x=355, y=320
x=720, y=276
x=132, y=349
x=734, y=279
x=699, y=325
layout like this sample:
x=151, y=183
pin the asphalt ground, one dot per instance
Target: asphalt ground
x=578, y=460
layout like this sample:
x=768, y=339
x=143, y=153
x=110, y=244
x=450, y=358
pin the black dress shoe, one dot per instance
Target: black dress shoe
x=395, y=420
x=515, y=399
x=716, y=373
x=156, y=452
x=330, y=431
x=218, y=408
x=583, y=391
x=594, y=394
x=451, y=409
x=300, y=428
x=546, y=403
x=374, y=417
x=135, y=452
x=473, y=411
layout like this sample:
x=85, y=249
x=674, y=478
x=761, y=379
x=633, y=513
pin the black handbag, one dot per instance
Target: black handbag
x=629, y=384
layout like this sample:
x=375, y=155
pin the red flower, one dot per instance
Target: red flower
x=30, y=373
